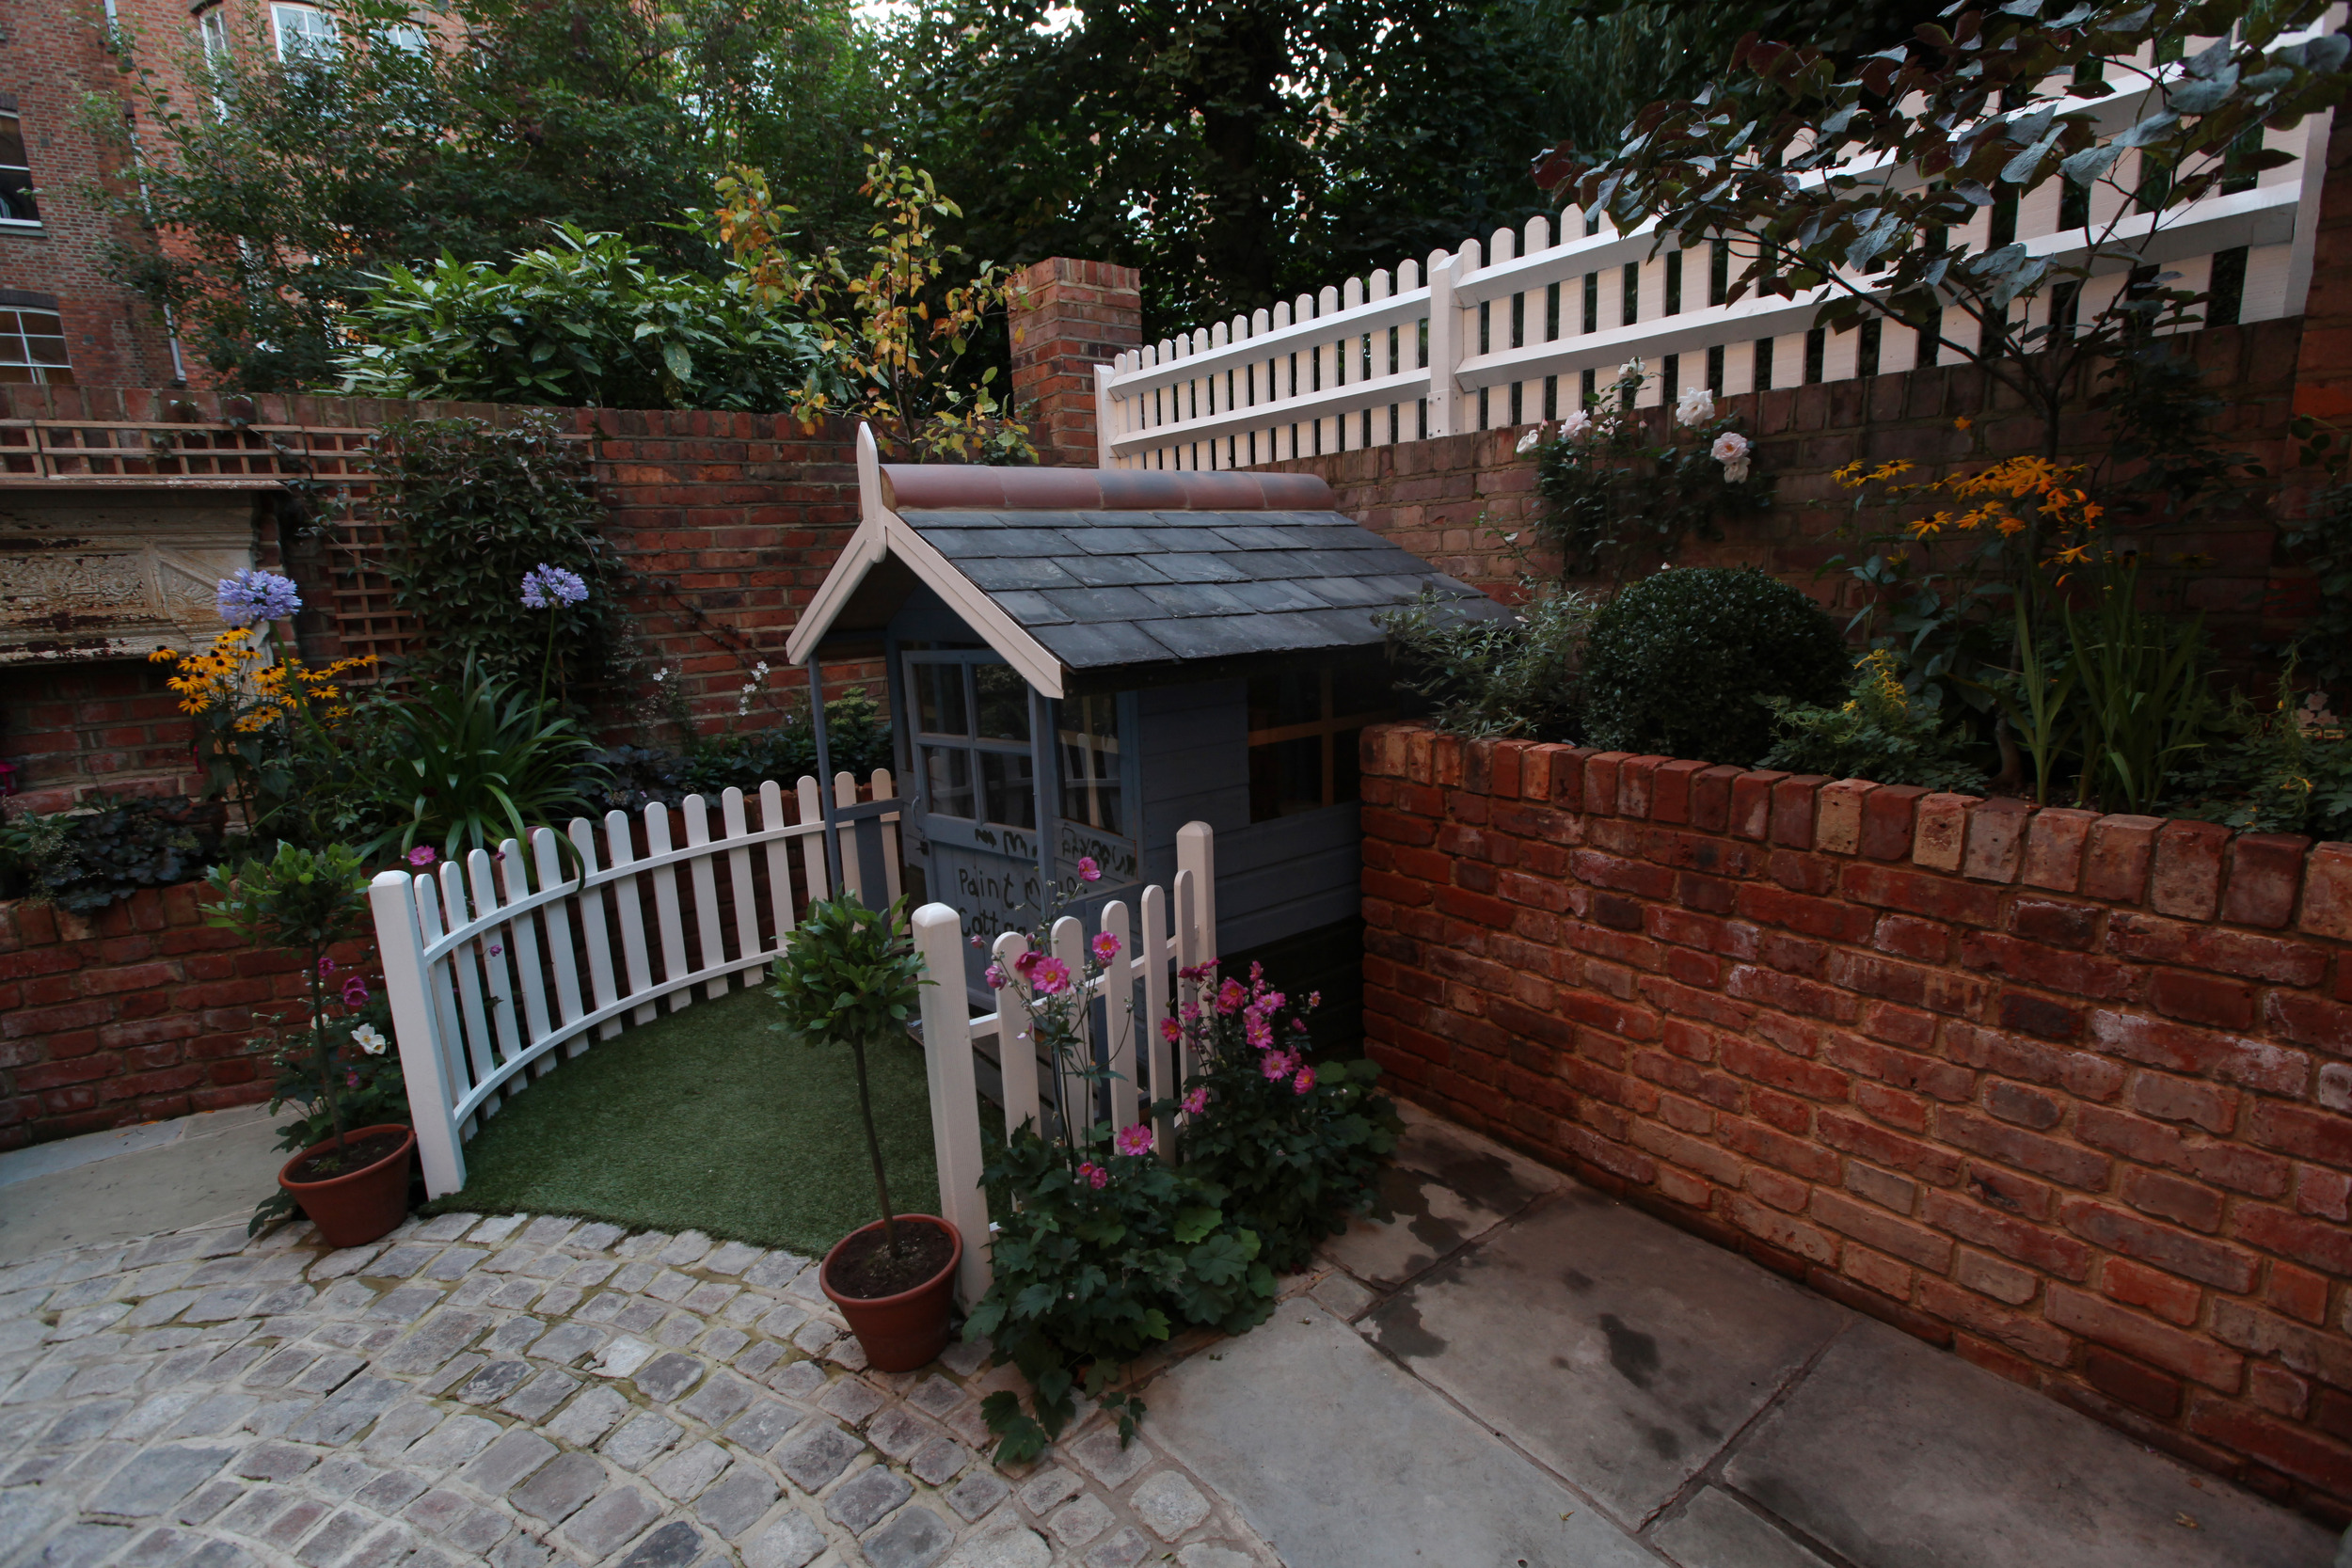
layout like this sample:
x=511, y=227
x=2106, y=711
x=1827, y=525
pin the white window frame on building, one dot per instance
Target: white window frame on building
x=303, y=32
x=32, y=340
x=18, y=209
x=211, y=34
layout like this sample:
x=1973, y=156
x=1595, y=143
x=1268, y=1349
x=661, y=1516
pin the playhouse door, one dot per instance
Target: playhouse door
x=975, y=781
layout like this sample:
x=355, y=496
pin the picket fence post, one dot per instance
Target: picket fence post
x=392, y=897
x=955, y=1096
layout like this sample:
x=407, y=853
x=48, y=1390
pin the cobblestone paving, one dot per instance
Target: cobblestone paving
x=523, y=1392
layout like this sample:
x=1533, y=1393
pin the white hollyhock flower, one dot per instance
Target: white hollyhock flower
x=1696, y=406
x=367, y=1040
x=1731, y=450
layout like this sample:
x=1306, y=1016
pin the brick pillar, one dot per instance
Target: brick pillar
x=1075, y=316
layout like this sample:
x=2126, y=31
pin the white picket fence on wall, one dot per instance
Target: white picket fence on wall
x=499, y=967
x=1518, y=330
x=1139, y=988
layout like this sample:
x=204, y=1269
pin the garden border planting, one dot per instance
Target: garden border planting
x=2061, y=1091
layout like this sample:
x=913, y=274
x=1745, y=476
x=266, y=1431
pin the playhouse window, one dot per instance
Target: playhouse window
x=1304, y=726
x=972, y=731
x=1090, y=776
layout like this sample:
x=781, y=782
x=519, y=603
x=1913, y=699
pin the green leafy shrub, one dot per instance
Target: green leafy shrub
x=1296, y=1147
x=468, y=511
x=1102, y=1257
x=1881, y=732
x=477, y=761
x=1677, y=662
x=1614, y=499
x=85, y=860
x=589, y=319
x=857, y=741
x=2284, y=771
x=1481, y=677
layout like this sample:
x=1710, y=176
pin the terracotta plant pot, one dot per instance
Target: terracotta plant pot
x=909, y=1329
x=357, y=1207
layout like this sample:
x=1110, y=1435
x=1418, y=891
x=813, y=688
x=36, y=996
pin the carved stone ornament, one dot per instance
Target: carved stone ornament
x=115, y=575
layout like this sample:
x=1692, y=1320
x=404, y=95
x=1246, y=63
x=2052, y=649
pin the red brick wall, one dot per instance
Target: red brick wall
x=139, y=1012
x=729, y=520
x=1449, y=499
x=1068, y=317
x=2065, y=1093
x=55, y=54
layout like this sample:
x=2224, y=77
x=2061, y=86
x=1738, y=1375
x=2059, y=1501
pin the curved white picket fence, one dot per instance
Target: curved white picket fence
x=495, y=964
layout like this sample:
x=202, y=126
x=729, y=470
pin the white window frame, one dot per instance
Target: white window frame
x=211, y=34
x=12, y=331
x=21, y=225
x=313, y=37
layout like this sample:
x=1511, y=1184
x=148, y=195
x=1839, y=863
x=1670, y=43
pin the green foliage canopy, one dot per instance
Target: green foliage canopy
x=589, y=319
x=285, y=187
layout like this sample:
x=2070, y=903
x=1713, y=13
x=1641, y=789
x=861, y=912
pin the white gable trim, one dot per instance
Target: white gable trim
x=883, y=533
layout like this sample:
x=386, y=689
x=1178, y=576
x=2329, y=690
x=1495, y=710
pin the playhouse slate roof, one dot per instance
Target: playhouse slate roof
x=1102, y=589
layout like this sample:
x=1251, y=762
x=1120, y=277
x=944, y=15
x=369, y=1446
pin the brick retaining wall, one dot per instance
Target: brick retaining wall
x=728, y=521
x=1451, y=499
x=138, y=1012
x=2063, y=1092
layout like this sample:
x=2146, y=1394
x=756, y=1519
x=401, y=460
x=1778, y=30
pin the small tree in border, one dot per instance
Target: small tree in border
x=850, y=976
x=892, y=327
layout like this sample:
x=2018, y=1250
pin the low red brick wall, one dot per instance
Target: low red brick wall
x=2063, y=1092
x=139, y=1012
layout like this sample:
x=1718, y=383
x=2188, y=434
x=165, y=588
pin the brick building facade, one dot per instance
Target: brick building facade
x=56, y=253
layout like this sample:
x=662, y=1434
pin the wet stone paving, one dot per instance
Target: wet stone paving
x=524, y=1392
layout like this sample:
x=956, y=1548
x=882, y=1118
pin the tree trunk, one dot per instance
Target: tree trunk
x=873, y=1150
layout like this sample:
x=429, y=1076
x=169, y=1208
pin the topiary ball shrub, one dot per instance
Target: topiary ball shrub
x=1677, y=662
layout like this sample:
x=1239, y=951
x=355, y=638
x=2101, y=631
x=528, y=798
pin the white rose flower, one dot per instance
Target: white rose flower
x=1731, y=450
x=1576, y=425
x=1695, y=406
x=1633, y=369
x=1530, y=441
x=367, y=1040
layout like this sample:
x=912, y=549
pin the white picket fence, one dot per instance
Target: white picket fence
x=499, y=967
x=1178, y=928
x=1521, y=328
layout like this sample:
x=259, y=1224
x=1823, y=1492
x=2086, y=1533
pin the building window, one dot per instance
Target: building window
x=1304, y=726
x=16, y=175
x=303, y=34
x=32, y=348
x=212, y=32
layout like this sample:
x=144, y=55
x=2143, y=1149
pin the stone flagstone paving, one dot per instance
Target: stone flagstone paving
x=523, y=1392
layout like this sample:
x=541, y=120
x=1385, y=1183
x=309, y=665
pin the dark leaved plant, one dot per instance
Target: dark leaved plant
x=1677, y=662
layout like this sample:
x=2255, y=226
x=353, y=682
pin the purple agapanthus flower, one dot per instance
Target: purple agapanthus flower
x=252, y=595
x=545, y=587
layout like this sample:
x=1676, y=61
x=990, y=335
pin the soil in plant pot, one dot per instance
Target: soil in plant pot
x=866, y=1270
x=358, y=1154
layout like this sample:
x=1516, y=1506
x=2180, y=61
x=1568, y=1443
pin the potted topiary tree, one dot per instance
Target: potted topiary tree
x=850, y=976
x=354, y=1185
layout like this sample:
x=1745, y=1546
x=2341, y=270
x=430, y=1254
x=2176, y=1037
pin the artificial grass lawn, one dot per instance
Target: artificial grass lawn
x=711, y=1120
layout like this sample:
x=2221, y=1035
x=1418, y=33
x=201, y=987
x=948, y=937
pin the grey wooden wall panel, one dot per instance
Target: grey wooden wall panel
x=1292, y=874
